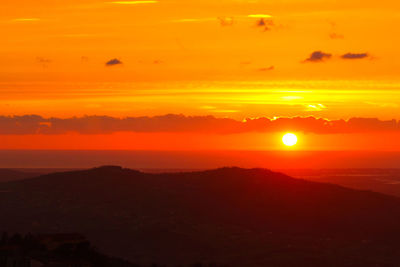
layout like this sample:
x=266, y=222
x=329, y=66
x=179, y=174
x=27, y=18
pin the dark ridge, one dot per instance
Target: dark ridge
x=232, y=216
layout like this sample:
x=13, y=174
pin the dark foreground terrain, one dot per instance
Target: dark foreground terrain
x=53, y=250
x=229, y=216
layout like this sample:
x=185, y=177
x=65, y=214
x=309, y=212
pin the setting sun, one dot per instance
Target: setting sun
x=221, y=132
x=289, y=139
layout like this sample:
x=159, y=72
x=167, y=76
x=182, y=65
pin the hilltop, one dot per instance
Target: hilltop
x=232, y=216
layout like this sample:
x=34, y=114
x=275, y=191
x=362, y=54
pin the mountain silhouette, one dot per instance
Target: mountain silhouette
x=232, y=216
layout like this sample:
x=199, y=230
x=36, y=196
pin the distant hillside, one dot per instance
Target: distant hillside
x=238, y=217
x=12, y=175
x=386, y=181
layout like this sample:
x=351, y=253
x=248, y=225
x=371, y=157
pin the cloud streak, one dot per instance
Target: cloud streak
x=267, y=68
x=355, y=56
x=26, y=20
x=33, y=124
x=226, y=21
x=336, y=36
x=132, y=2
x=260, y=16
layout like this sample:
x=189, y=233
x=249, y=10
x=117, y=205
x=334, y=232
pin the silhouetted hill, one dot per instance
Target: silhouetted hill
x=239, y=217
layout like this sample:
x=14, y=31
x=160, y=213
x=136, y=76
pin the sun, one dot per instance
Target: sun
x=289, y=139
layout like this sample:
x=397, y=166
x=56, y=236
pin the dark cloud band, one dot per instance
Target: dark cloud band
x=354, y=56
x=33, y=124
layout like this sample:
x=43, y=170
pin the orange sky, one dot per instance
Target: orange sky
x=198, y=142
x=226, y=58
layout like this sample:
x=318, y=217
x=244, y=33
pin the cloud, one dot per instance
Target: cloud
x=265, y=23
x=26, y=20
x=186, y=20
x=226, y=21
x=267, y=68
x=262, y=16
x=114, y=62
x=318, y=56
x=315, y=107
x=43, y=60
x=355, y=56
x=33, y=124
x=336, y=36
x=132, y=2
x=261, y=22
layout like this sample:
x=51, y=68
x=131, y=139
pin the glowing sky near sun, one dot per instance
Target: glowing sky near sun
x=228, y=58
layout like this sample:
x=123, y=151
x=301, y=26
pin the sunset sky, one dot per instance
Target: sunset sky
x=257, y=60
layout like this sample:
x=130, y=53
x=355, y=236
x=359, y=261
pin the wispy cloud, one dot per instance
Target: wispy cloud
x=226, y=21
x=77, y=35
x=133, y=2
x=315, y=107
x=43, y=61
x=194, y=20
x=333, y=33
x=260, y=16
x=267, y=68
x=26, y=20
x=336, y=36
